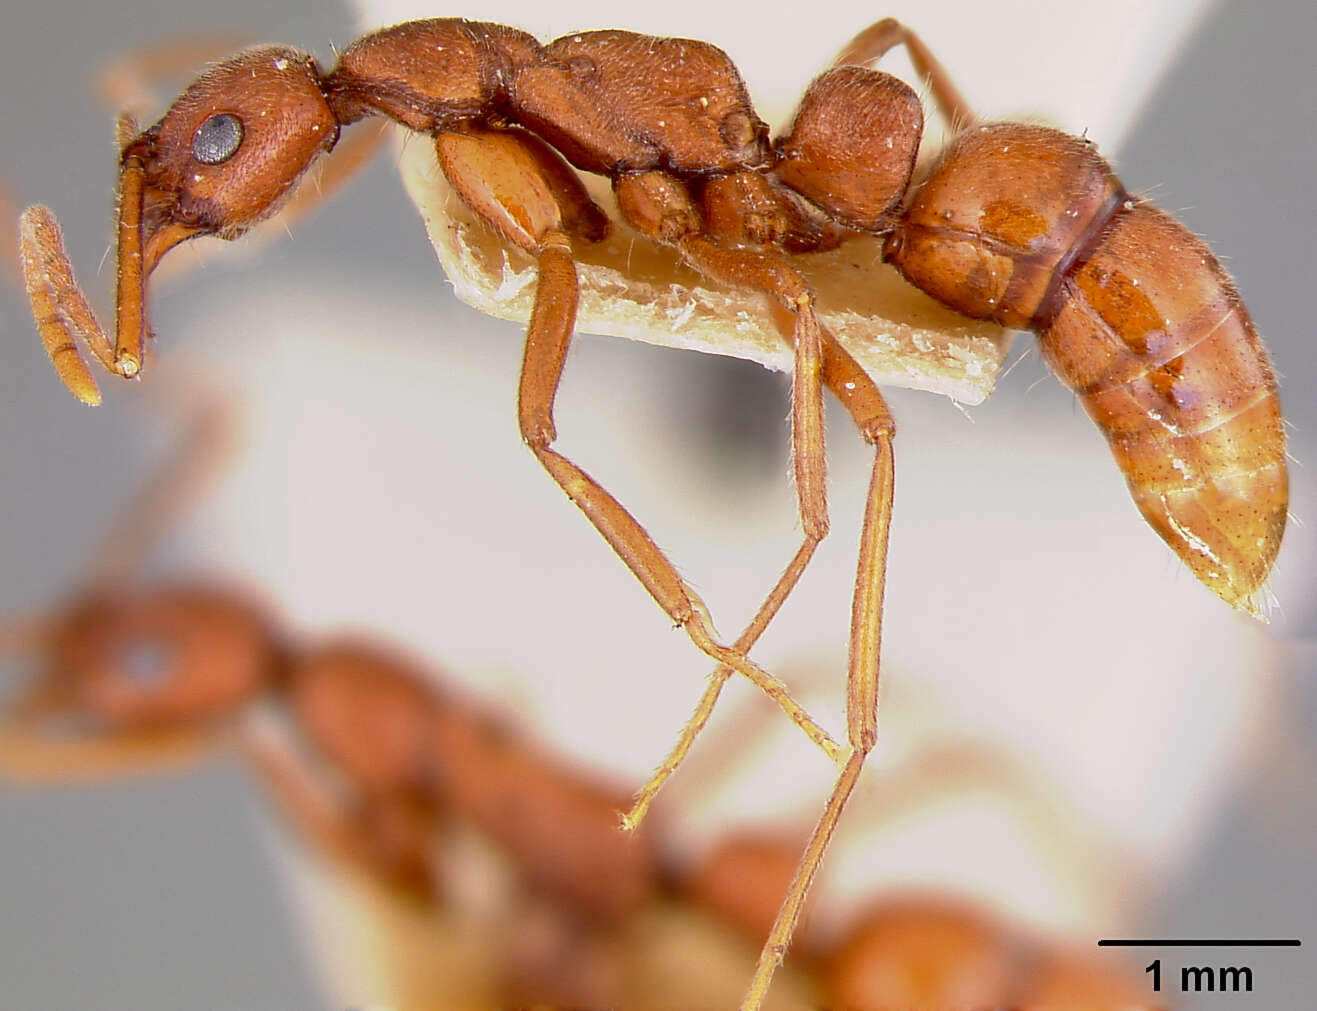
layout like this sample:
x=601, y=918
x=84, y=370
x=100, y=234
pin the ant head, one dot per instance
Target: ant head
x=162, y=659
x=228, y=150
x=852, y=147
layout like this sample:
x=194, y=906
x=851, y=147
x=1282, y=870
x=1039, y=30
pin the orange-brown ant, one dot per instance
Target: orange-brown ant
x=378, y=764
x=131, y=677
x=1022, y=225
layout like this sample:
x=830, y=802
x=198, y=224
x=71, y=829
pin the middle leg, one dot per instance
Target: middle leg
x=523, y=190
x=662, y=209
x=867, y=407
x=655, y=203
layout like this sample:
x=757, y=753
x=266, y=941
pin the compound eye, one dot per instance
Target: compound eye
x=146, y=662
x=217, y=139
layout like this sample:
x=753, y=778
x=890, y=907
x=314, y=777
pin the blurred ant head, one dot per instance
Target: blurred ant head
x=156, y=660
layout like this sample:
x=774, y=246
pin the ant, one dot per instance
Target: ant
x=1021, y=225
x=371, y=715
x=379, y=756
x=132, y=678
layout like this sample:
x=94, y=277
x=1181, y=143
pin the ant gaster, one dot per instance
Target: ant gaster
x=1019, y=224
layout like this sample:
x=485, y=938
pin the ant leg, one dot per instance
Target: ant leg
x=661, y=209
x=866, y=405
x=509, y=181
x=704, y=709
x=546, y=348
x=767, y=274
x=870, y=45
x=784, y=283
x=61, y=311
x=58, y=305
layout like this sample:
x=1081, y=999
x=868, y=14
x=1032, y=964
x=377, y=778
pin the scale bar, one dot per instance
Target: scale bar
x=1205, y=942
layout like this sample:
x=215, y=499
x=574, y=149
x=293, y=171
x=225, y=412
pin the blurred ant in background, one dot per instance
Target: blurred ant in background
x=379, y=760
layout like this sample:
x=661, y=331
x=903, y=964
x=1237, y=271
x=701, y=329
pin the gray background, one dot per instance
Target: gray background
x=158, y=894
